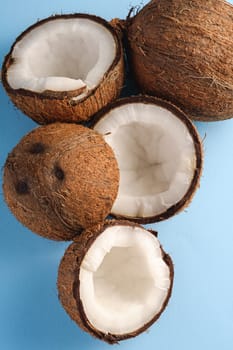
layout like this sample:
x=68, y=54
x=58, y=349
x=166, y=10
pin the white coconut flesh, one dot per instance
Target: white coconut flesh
x=124, y=280
x=62, y=55
x=156, y=157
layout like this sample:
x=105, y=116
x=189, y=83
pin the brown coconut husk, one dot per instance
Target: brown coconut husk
x=68, y=282
x=181, y=51
x=60, y=179
x=195, y=183
x=50, y=106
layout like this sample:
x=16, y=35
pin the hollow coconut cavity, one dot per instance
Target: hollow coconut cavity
x=159, y=155
x=181, y=51
x=115, y=280
x=60, y=179
x=64, y=68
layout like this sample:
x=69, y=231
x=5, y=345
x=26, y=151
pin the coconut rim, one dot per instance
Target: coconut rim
x=97, y=231
x=61, y=95
x=187, y=198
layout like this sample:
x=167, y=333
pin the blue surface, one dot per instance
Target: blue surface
x=200, y=240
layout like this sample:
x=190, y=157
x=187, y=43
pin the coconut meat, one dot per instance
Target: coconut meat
x=156, y=157
x=124, y=280
x=62, y=55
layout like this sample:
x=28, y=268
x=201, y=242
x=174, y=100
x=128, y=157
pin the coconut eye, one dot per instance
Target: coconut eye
x=59, y=173
x=65, y=195
x=37, y=148
x=22, y=187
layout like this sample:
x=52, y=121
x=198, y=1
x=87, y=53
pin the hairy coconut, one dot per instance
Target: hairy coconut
x=59, y=179
x=115, y=280
x=181, y=50
x=64, y=68
x=159, y=154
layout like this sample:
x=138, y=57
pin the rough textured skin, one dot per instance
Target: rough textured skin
x=197, y=171
x=68, y=281
x=59, y=179
x=181, y=50
x=49, y=106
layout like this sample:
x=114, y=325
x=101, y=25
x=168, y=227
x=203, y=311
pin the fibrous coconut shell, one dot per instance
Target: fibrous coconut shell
x=68, y=281
x=59, y=179
x=181, y=51
x=51, y=106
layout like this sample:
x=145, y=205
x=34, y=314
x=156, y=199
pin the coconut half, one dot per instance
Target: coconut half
x=115, y=280
x=159, y=155
x=64, y=68
x=60, y=179
x=181, y=51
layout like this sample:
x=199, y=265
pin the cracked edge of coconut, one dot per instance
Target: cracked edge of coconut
x=160, y=169
x=101, y=276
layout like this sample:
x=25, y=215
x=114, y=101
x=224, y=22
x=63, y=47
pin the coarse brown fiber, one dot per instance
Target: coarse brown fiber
x=60, y=179
x=181, y=51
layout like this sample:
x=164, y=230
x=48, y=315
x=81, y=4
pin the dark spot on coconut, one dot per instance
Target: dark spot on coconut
x=11, y=61
x=37, y=148
x=22, y=187
x=59, y=173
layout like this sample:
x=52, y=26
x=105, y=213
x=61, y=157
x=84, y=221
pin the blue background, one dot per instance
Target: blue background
x=200, y=240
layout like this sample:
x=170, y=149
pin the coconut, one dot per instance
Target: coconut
x=115, y=280
x=159, y=154
x=64, y=68
x=59, y=179
x=181, y=50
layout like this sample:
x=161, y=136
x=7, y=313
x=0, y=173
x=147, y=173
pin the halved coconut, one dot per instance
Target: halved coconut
x=64, y=68
x=115, y=280
x=59, y=179
x=181, y=51
x=159, y=155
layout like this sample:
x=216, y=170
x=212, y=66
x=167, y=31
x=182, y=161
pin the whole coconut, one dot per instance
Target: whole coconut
x=181, y=50
x=59, y=179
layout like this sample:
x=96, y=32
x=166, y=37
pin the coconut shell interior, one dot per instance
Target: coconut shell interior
x=178, y=53
x=194, y=184
x=68, y=281
x=50, y=106
x=59, y=179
